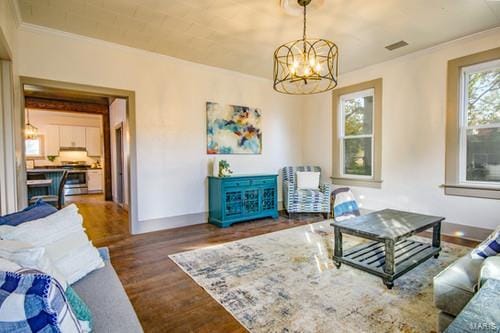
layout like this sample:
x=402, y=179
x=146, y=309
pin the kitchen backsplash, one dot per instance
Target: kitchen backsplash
x=67, y=156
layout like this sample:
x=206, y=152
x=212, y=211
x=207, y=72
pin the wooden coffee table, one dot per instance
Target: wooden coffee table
x=390, y=253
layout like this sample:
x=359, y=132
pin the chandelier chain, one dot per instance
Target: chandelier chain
x=304, y=32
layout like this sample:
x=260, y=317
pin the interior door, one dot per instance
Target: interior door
x=119, y=163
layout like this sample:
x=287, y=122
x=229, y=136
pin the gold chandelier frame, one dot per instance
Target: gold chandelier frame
x=319, y=77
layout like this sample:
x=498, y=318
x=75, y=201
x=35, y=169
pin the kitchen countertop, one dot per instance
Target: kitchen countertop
x=45, y=170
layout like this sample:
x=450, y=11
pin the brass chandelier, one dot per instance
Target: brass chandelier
x=30, y=131
x=305, y=66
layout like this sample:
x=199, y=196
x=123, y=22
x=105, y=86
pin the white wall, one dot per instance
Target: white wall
x=117, y=115
x=413, y=139
x=11, y=163
x=172, y=164
x=8, y=27
x=43, y=118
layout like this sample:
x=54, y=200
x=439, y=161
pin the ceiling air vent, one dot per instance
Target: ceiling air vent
x=396, y=45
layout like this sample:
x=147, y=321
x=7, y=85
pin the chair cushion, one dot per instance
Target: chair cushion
x=455, y=286
x=308, y=196
x=35, y=211
x=111, y=309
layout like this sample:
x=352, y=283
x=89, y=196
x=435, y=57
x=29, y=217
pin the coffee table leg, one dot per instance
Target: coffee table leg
x=436, y=237
x=389, y=262
x=338, y=247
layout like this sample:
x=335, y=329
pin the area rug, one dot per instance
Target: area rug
x=285, y=281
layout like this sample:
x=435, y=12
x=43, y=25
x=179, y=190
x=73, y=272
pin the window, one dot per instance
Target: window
x=34, y=147
x=356, y=134
x=480, y=124
x=357, y=119
x=473, y=126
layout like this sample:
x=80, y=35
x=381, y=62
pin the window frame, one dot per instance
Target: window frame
x=339, y=177
x=342, y=137
x=456, y=136
x=42, y=149
x=463, y=120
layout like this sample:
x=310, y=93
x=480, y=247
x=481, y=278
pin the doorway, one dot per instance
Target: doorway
x=96, y=205
x=119, y=164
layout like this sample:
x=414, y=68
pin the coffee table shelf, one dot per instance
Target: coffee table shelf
x=370, y=256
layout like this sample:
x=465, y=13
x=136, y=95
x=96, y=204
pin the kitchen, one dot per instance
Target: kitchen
x=58, y=141
x=76, y=151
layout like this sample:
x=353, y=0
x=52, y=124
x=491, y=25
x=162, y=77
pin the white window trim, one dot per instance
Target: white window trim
x=463, y=122
x=342, y=136
x=40, y=138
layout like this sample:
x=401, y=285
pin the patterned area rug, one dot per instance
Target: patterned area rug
x=286, y=282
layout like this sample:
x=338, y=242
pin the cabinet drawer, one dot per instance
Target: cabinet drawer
x=264, y=181
x=236, y=183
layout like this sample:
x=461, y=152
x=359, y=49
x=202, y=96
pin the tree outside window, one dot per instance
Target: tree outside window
x=357, y=133
x=480, y=130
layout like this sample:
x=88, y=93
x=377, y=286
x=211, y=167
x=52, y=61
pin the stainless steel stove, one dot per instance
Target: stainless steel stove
x=77, y=178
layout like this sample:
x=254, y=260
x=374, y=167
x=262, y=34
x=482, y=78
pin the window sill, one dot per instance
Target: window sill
x=373, y=183
x=476, y=191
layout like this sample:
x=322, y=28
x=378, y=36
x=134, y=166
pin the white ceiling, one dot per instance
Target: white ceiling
x=241, y=35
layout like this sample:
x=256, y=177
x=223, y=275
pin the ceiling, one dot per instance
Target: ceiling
x=242, y=35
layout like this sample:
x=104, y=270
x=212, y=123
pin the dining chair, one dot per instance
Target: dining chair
x=56, y=200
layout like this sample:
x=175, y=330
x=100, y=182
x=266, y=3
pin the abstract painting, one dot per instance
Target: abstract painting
x=233, y=129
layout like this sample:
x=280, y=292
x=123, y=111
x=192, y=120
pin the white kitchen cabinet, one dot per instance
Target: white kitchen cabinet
x=72, y=136
x=93, y=141
x=94, y=181
x=52, y=140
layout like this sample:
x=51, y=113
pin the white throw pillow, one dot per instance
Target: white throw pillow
x=8, y=266
x=307, y=180
x=64, y=238
x=27, y=256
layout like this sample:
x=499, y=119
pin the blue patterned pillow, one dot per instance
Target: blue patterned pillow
x=344, y=206
x=489, y=248
x=34, y=302
x=35, y=211
x=80, y=309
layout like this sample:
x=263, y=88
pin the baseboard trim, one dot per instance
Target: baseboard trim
x=465, y=231
x=171, y=222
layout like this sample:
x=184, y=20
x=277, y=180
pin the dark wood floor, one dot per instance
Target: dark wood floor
x=164, y=297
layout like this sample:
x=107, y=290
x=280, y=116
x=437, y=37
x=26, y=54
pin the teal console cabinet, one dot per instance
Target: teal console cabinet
x=241, y=198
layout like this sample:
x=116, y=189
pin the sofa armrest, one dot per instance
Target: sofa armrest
x=489, y=270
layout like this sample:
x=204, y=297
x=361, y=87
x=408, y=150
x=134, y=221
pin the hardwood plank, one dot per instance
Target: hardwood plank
x=164, y=297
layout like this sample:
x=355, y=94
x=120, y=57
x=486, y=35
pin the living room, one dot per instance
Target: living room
x=181, y=65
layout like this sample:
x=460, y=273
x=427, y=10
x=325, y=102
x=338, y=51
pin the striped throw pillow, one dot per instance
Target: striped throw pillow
x=489, y=248
x=344, y=206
